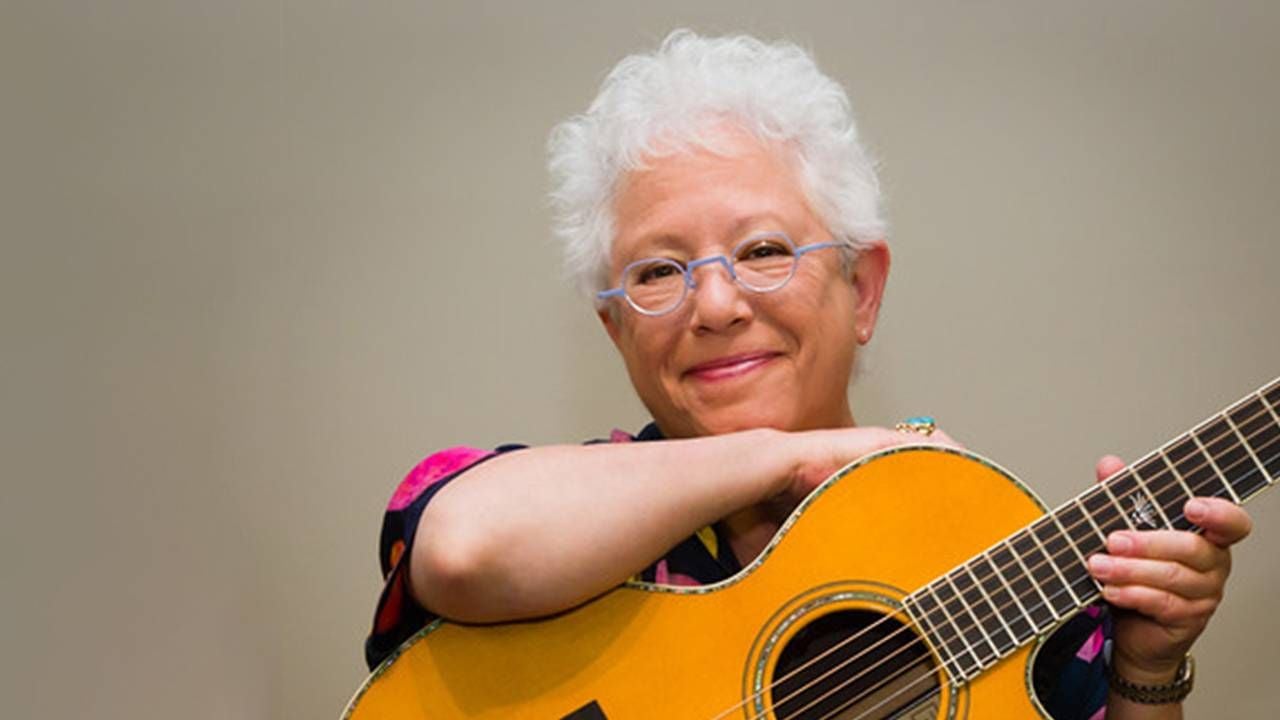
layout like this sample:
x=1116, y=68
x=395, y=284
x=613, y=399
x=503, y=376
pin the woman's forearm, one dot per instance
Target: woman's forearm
x=536, y=531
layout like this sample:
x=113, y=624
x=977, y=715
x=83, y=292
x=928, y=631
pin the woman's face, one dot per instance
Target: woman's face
x=729, y=359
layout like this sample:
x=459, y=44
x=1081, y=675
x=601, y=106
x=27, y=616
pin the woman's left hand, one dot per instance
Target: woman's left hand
x=1165, y=584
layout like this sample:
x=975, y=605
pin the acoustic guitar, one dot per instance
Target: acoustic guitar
x=917, y=582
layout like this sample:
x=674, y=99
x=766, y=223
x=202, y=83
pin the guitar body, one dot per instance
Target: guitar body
x=872, y=534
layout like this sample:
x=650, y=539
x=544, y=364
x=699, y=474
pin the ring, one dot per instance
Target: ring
x=920, y=425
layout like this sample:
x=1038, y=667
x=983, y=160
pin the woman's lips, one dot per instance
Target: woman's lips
x=728, y=367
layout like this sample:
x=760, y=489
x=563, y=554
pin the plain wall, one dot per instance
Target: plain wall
x=259, y=258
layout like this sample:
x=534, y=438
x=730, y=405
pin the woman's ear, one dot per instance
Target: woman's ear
x=869, y=274
x=609, y=318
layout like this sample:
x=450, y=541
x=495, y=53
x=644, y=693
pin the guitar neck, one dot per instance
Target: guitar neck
x=1024, y=585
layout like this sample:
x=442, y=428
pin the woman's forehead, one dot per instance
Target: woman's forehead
x=702, y=197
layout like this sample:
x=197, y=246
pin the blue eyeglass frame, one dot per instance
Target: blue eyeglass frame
x=687, y=271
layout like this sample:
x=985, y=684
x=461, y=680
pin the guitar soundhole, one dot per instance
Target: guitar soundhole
x=855, y=664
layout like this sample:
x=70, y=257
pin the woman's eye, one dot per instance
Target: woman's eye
x=656, y=272
x=764, y=249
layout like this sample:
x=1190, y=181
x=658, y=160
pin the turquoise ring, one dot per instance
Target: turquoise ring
x=919, y=424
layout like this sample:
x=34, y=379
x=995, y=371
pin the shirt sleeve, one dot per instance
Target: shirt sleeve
x=398, y=616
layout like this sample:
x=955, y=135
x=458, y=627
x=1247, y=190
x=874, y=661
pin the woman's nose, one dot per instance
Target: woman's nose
x=719, y=302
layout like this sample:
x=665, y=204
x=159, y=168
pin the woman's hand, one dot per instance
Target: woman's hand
x=1166, y=584
x=820, y=453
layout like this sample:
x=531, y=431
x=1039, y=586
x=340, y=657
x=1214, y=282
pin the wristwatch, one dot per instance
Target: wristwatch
x=1173, y=691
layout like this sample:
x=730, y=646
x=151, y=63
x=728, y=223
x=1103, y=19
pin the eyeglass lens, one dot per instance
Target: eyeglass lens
x=760, y=264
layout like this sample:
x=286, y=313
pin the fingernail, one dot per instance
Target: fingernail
x=1108, y=592
x=1196, y=509
x=1119, y=543
x=1100, y=564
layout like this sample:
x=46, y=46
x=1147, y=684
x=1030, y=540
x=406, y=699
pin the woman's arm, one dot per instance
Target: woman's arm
x=537, y=531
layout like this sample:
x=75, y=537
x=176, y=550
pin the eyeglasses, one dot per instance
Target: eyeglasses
x=761, y=263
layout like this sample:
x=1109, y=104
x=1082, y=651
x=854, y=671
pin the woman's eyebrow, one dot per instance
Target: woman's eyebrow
x=650, y=245
x=753, y=221
x=658, y=241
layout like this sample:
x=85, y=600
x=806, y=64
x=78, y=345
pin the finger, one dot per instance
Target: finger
x=937, y=436
x=1177, y=546
x=1224, y=523
x=942, y=438
x=1107, y=466
x=1164, y=607
x=1164, y=575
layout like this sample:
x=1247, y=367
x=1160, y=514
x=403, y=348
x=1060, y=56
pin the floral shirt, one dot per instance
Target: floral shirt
x=1069, y=675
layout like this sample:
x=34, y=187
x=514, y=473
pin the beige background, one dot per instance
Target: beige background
x=258, y=258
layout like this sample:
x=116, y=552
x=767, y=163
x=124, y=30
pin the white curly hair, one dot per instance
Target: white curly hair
x=671, y=100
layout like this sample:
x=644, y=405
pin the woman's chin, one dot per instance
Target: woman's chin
x=738, y=419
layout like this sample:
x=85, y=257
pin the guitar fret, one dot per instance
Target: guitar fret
x=954, y=645
x=1025, y=577
x=1023, y=615
x=1054, y=546
x=1103, y=511
x=1042, y=574
x=1215, y=467
x=1094, y=541
x=1070, y=542
x=1145, y=488
x=1128, y=488
x=1231, y=456
x=961, y=631
x=1271, y=399
x=1183, y=523
x=1002, y=598
x=1124, y=516
x=1245, y=444
x=967, y=609
x=1272, y=394
x=963, y=656
x=1262, y=435
x=932, y=636
x=1165, y=490
x=974, y=598
x=1053, y=566
x=995, y=610
x=1175, y=472
x=1190, y=464
x=1271, y=408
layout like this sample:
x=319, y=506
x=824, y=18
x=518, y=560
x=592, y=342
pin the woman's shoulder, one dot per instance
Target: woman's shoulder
x=433, y=469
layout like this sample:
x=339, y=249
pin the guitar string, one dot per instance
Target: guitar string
x=875, y=688
x=836, y=711
x=1033, y=604
x=891, y=677
x=842, y=706
x=915, y=641
x=845, y=705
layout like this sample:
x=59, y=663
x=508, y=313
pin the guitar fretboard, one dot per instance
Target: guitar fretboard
x=1025, y=584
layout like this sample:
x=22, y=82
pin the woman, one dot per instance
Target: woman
x=716, y=202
